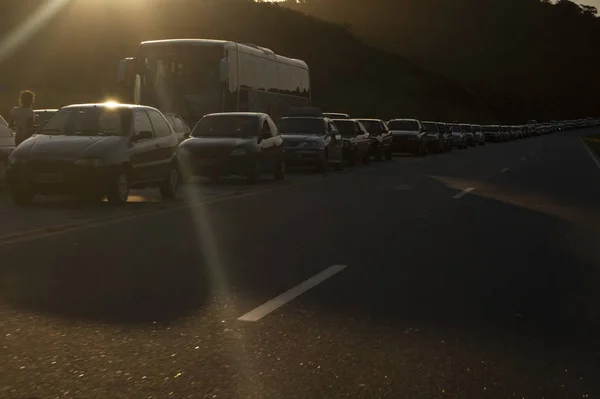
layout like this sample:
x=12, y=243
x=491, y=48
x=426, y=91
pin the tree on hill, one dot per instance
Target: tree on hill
x=74, y=56
x=525, y=58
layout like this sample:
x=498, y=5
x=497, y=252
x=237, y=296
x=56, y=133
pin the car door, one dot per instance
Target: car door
x=336, y=144
x=165, y=143
x=142, y=153
x=268, y=147
x=362, y=138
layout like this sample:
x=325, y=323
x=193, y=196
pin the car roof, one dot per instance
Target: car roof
x=46, y=110
x=255, y=114
x=369, y=119
x=113, y=105
x=404, y=119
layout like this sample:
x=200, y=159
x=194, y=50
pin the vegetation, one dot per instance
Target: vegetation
x=526, y=59
x=73, y=57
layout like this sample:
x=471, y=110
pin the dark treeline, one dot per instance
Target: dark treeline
x=524, y=58
x=74, y=56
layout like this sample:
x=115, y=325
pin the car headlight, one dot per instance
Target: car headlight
x=239, y=151
x=89, y=162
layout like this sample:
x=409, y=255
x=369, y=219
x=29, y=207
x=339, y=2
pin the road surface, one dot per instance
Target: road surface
x=473, y=274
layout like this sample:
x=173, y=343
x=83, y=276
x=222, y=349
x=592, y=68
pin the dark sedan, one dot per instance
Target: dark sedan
x=238, y=143
x=96, y=149
x=356, y=140
x=311, y=141
x=381, y=138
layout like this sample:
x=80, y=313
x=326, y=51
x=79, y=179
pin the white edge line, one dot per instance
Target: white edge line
x=594, y=156
x=277, y=302
x=504, y=170
x=463, y=192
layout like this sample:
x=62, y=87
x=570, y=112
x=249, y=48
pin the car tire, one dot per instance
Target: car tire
x=423, y=151
x=353, y=161
x=254, y=176
x=388, y=154
x=323, y=165
x=21, y=196
x=378, y=154
x=279, y=173
x=170, y=186
x=119, y=189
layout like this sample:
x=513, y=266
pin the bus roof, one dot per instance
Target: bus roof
x=244, y=47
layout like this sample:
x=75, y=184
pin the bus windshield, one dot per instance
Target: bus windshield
x=181, y=78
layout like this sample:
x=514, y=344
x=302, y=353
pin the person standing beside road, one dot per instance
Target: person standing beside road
x=23, y=117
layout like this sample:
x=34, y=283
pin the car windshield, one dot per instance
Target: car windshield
x=467, y=129
x=490, y=129
x=373, y=127
x=346, y=127
x=41, y=117
x=88, y=121
x=430, y=127
x=455, y=129
x=238, y=126
x=301, y=125
x=410, y=125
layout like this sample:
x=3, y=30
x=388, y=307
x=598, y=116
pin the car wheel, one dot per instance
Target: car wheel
x=366, y=157
x=119, y=190
x=354, y=158
x=254, y=176
x=423, y=151
x=323, y=165
x=379, y=153
x=21, y=196
x=279, y=173
x=388, y=154
x=170, y=186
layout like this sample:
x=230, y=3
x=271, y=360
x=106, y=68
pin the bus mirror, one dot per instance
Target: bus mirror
x=126, y=71
x=224, y=70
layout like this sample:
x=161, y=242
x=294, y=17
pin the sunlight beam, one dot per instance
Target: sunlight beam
x=18, y=36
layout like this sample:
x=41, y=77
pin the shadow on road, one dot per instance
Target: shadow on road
x=108, y=281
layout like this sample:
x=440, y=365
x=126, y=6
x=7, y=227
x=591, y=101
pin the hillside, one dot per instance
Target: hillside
x=525, y=58
x=74, y=56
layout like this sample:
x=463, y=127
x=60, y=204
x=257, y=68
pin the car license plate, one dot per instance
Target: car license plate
x=48, y=178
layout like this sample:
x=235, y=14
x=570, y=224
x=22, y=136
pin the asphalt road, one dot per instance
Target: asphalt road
x=466, y=275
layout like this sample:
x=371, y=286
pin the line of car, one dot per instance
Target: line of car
x=106, y=149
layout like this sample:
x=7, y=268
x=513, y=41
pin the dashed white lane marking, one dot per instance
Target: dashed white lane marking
x=504, y=170
x=463, y=192
x=524, y=158
x=594, y=156
x=279, y=301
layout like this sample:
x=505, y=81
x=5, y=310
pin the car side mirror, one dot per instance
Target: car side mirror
x=144, y=135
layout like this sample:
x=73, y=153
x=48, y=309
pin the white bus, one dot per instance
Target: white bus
x=194, y=77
